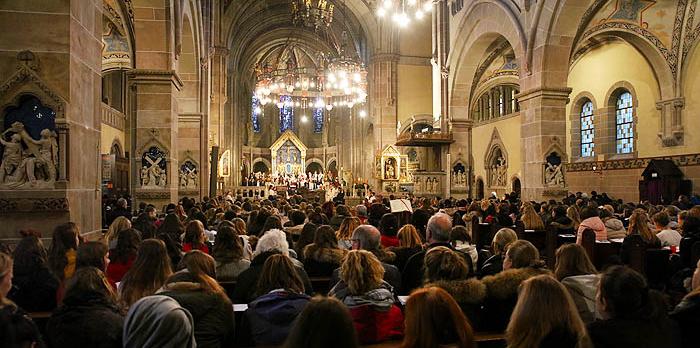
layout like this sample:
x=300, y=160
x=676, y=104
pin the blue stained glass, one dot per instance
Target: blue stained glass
x=318, y=120
x=286, y=113
x=255, y=114
x=587, y=130
x=624, y=124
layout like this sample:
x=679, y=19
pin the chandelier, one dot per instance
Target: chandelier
x=342, y=83
x=316, y=14
x=402, y=12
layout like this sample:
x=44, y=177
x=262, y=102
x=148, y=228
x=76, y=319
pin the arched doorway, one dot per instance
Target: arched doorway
x=314, y=167
x=260, y=167
x=333, y=169
x=479, y=188
x=517, y=188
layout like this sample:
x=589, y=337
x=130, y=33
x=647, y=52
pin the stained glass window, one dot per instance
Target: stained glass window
x=286, y=113
x=624, y=123
x=587, y=130
x=256, y=110
x=318, y=120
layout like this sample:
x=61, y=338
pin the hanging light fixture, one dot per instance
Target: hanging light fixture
x=316, y=14
x=402, y=12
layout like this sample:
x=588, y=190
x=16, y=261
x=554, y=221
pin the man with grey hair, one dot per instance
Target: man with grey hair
x=361, y=212
x=121, y=209
x=367, y=237
x=437, y=233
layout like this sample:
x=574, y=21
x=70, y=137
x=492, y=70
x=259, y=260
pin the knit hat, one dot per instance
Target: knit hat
x=158, y=321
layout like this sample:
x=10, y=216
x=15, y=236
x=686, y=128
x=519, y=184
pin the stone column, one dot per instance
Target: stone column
x=543, y=125
x=62, y=69
x=155, y=122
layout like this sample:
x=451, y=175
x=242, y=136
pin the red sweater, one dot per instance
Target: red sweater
x=117, y=270
x=188, y=247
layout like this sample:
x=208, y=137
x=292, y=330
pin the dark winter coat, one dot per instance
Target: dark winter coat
x=246, y=285
x=85, y=320
x=34, y=287
x=638, y=333
x=502, y=294
x=212, y=313
x=469, y=294
x=687, y=315
x=271, y=316
x=412, y=275
x=320, y=262
x=492, y=265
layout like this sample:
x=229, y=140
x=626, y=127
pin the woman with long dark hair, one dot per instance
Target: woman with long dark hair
x=63, y=251
x=280, y=300
x=89, y=315
x=122, y=257
x=576, y=272
x=148, y=273
x=323, y=255
x=34, y=285
x=228, y=254
x=196, y=289
x=324, y=322
x=195, y=237
x=433, y=319
x=16, y=329
x=545, y=316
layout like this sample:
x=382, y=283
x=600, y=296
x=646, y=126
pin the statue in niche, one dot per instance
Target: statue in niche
x=553, y=175
x=390, y=168
x=499, y=172
x=417, y=186
x=144, y=176
x=153, y=169
x=26, y=160
x=188, y=175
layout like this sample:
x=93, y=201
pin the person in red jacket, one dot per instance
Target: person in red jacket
x=375, y=315
x=123, y=256
x=195, y=238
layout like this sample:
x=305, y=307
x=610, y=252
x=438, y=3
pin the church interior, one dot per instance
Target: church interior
x=443, y=105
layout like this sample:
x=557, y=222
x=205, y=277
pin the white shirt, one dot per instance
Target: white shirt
x=669, y=237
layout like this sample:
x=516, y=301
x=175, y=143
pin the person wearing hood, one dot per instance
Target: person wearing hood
x=158, y=321
x=196, y=289
x=574, y=269
x=370, y=299
x=590, y=219
x=323, y=255
x=271, y=243
x=613, y=226
x=281, y=299
x=89, y=315
x=445, y=269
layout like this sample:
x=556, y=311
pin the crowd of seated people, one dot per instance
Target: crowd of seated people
x=238, y=272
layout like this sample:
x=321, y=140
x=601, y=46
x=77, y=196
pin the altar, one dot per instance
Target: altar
x=288, y=155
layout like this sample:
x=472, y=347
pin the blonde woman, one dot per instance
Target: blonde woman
x=531, y=220
x=409, y=245
x=345, y=230
x=545, y=316
x=369, y=298
x=501, y=240
x=119, y=224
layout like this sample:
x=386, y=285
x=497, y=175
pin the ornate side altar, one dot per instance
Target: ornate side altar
x=288, y=154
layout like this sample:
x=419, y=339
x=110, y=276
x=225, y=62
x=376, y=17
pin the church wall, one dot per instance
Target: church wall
x=107, y=137
x=414, y=91
x=509, y=130
x=594, y=74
